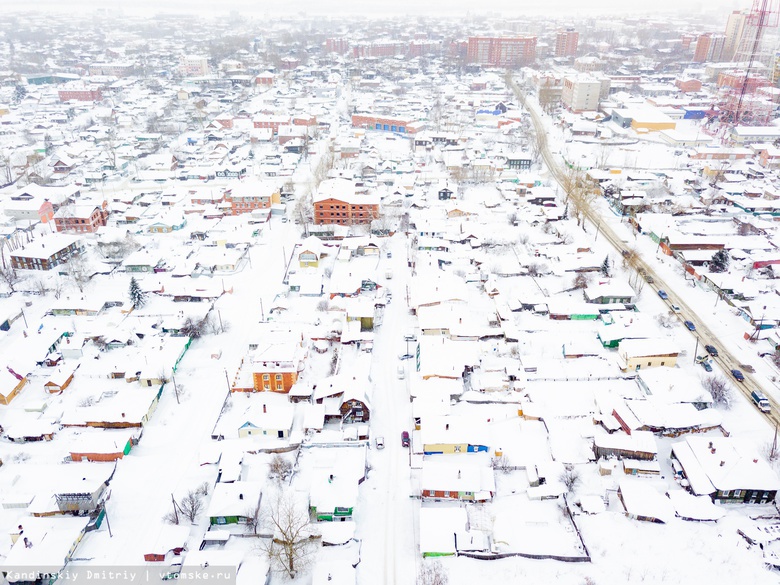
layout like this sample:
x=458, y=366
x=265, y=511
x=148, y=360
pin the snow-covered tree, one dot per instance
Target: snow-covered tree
x=720, y=261
x=137, y=295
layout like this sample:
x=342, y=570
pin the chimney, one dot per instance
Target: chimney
x=123, y=415
x=710, y=444
x=265, y=410
x=240, y=496
x=27, y=543
x=755, y=460
x=722, y=463
x=458, y=473
x=447, y=427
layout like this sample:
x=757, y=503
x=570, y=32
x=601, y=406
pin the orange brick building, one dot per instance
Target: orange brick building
x=248, y=196
x=337, y=203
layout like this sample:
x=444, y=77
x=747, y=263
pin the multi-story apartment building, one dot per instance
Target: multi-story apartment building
x=248, y=196
x=581, y=93
x=337, y=203
x=46, y=253
x=501, y=51
x=81, y=218
x=81, y=93
x=194, y=65
x=709, y=47
x=566, y=42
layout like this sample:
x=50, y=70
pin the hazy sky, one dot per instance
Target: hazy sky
x=356, y=7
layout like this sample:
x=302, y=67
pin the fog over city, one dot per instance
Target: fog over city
x=375, y=7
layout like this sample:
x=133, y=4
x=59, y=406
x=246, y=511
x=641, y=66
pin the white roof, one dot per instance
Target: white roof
x=234, y=499
x=438, y=527
x=730, y=464
x=641, y=499
x=51, y=538
x=630, y=348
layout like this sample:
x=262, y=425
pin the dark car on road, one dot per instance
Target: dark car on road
x=662, y=294
x=738, y=375
x=711, y=350
x=690, y=325
x=405, y=439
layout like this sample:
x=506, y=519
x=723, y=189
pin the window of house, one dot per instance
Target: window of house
x=446, y=494
x=278, y=376
x=266, y=377
x=737, y=493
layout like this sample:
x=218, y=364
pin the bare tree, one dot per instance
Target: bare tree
x=291, y=547
x=78, y=271
x=719, y=389
x=581, y=281
x=10, y=277
x=252, y=516
x=570, y=477
x=191, y=505
x=432, y=573
x=279, y=468
x=580, y=193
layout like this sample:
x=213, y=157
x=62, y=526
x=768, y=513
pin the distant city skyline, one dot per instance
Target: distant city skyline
x=398, y=7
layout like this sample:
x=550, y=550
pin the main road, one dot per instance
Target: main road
x=704, y=334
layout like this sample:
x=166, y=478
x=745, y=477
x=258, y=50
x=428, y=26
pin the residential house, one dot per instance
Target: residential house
x=269, y=420
x=355, y=406
x=468, y=477
x=274, y=366
x=609, y=292
x=726, y=469
x=310, y=250
x=634, y=354
x=102, y=445
x=11, y=383
x=234, y=503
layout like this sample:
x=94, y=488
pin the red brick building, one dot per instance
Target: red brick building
x=688, y=85
x=272, y=122
x=709, y=47
x=337, y=203
x=82, y=94
x=566, y=43
x=337, y=45
x=501, y=51
x=250, y=195
x=81, y=218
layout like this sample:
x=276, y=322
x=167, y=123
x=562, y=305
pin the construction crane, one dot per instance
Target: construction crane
x=742, y=106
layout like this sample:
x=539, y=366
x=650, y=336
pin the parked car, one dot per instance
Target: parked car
x=711, y=350
x=380, y=442
x=405, y=356
x=706, y=365
x=738, y=375
x=411, y=336
x=662, y=294
x=389, y=254
x=405, y=439
x=675, y=308
x=690, y=325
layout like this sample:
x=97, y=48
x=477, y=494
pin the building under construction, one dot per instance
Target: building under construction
x=747, y=91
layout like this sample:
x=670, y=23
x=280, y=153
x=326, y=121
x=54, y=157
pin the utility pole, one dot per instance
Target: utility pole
x=695, y=351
